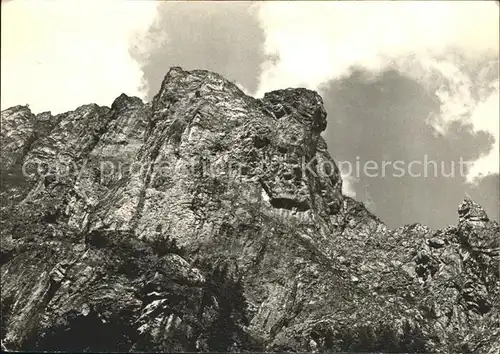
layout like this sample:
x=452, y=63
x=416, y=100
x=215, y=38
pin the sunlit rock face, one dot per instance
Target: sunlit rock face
x=208, y=220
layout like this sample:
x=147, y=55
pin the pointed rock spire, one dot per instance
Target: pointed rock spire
x=468, y=210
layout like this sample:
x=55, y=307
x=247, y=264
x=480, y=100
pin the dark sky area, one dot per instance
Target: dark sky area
x=384, y=120
x=377, y=119
x=223, y=37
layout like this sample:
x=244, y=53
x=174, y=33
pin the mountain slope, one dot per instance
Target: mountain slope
x=208, y=220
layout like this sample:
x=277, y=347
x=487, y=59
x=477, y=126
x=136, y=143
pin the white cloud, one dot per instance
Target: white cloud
x=348, y=182
x=437, y=43
x=486, y=117
x=57, y=55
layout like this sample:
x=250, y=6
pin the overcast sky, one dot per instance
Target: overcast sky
x=400, y=80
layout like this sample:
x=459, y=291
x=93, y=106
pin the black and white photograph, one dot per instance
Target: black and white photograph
x=250, y=176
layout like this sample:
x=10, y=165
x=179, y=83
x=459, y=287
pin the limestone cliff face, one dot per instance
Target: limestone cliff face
x=208, y=220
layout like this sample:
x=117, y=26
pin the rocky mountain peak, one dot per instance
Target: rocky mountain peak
x=124, y=102
x=471, y=211
x=209, y=220
x=305, y=105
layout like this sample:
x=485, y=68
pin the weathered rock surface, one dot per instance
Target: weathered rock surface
x=208, y=220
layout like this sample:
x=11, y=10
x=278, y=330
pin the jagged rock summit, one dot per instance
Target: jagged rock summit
x=208, y=220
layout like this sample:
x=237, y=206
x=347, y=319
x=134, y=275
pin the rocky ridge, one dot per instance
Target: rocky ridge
x=208, y=220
